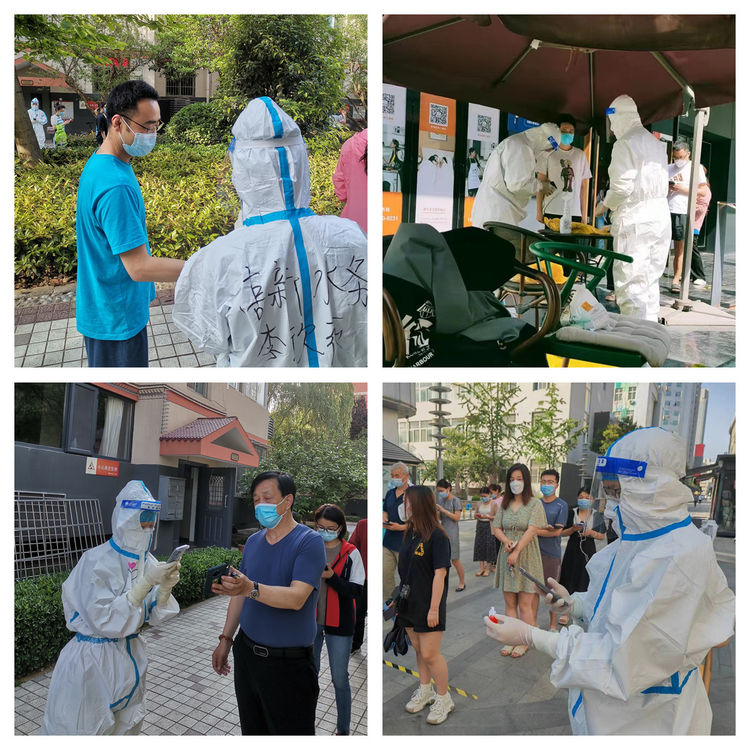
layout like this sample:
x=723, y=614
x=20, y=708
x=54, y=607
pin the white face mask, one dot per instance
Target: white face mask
x=516, y=486
x=680, y=162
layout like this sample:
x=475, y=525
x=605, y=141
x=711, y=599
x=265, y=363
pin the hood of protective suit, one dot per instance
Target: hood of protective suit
x=658, y=498
x=539, y=136
x=126, y=524
x=270, y=169
x=623, y=115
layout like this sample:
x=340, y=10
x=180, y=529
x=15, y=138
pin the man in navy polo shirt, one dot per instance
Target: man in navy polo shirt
x=116, y=272
x=273, y=601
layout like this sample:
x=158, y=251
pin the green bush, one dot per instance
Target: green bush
x=193, y=567
x=187, y=189
x=40, y=629
x=200, y=123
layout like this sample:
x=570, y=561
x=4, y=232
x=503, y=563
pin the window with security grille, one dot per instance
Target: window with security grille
x=216, y=491
x=181, y=86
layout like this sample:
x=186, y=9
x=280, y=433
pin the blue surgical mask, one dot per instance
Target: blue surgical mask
x=567, y=139
x=547, y=489
x=328, y=535
x=394, y=483
x=267, y=515
x=142, y=144
x=584, y=502
x=442, y=495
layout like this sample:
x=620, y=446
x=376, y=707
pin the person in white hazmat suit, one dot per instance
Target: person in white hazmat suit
x=509, y=181
x=637, y=198
x=38, y=121
x=98, y=684
x=657, y=602
x=286, y=288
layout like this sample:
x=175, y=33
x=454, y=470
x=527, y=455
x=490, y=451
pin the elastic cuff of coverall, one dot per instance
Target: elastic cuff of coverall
x=545, y=640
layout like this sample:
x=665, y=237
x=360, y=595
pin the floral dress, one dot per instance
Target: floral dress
x=514, y=524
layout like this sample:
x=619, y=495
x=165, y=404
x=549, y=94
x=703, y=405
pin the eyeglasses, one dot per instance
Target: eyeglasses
x=152, y=129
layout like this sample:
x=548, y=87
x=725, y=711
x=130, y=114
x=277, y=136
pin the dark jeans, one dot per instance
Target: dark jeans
x=275, y=694
x=359, y=626
x=339, y=648
x=128, y=353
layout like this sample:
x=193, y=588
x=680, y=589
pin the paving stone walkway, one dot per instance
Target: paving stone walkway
x=184, y=695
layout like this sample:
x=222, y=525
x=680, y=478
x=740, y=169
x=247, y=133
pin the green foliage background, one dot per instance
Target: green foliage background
x=187, y=189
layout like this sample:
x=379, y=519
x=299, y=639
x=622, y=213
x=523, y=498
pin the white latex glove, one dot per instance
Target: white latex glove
x=166, y=586
x=509, y=630
x=154, y=575
x=566, y=605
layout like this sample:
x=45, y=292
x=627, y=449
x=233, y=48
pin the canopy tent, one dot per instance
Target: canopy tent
x=537, y=67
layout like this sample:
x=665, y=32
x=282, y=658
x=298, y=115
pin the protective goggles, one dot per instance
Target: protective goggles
x=147, y=516
x=624, y=467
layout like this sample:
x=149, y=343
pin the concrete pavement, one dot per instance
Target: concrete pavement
x=184, y=695
x=515, y=696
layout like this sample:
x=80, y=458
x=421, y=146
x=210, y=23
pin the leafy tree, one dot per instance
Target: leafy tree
x=312, y=410
x=359, y=418
x=72, y=45
x=354, y=32
x=187, y=43
x=491, y=422
x=465, y=460
x=549, y=439
x=613, y=431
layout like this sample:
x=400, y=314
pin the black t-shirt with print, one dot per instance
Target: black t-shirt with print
x=417, y=563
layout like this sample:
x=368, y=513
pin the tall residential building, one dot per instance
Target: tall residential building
x=679, y=409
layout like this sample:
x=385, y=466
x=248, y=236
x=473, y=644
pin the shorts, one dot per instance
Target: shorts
x=551, y=567
x=421, y=621
x=678, y=226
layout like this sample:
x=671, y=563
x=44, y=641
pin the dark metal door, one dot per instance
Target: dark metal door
x=215, y=498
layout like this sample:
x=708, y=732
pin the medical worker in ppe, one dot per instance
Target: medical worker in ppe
x=286, y=288
x=509, y=181
x=637, y=198
x=657, y=602
x=98, y=685
x=38, y=121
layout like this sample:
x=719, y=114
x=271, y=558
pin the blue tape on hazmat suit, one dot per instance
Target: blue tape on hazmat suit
x=286, y=288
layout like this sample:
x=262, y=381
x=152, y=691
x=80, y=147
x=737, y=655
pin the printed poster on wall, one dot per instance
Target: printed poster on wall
x=437, y=147
x=483, y=133
x=394, y=129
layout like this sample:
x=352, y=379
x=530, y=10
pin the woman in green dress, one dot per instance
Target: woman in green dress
x=516, y=522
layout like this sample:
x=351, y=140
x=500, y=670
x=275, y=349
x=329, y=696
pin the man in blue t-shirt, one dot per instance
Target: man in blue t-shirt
x=274, y=599
x=116, y=272
x=393, y=525
x=549, y=537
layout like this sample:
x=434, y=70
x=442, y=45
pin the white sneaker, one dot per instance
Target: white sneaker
x=442, y=706
x=700, y=283
x=421, y=697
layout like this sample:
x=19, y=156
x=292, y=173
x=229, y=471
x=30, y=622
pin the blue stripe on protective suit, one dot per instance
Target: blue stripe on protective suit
x=137, y=677
x=295, y=213
x=121, y=551
x=94, y=639
x=577, y=704
x=278, y=128
x=674, y=688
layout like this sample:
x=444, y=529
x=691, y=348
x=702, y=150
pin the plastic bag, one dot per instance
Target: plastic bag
x=586, y=312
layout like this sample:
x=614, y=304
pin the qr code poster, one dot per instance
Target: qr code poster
x=394, y=105
x=484, y=124
x=437, y=115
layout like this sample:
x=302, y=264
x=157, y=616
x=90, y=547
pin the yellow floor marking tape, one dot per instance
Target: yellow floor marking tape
x=412, y=672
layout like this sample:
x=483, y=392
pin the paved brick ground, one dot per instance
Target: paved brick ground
x=185, y=695
x=515, y=696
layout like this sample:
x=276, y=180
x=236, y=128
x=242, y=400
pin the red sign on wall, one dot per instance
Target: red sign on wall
x=103, y=467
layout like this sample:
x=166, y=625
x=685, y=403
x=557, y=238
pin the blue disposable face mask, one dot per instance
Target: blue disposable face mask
x=442, y=495
x=567, y=139
x=328, y=535
x=547, y=489
x=143, y=143
x=394, y=483
x=584, y=502
x=267, y=515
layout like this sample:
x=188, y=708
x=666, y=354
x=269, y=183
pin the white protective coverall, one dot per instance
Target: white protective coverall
x=98, y=685
x=286, y=288
x=657, y=602
x=637, y=198
x=38, y=121
x=509, y=181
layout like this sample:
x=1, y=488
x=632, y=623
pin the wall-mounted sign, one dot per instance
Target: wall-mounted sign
x=235, y=456
x=103, y=467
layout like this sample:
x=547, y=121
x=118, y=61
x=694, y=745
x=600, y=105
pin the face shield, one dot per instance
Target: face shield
x=610, y=470
x=135, y=505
